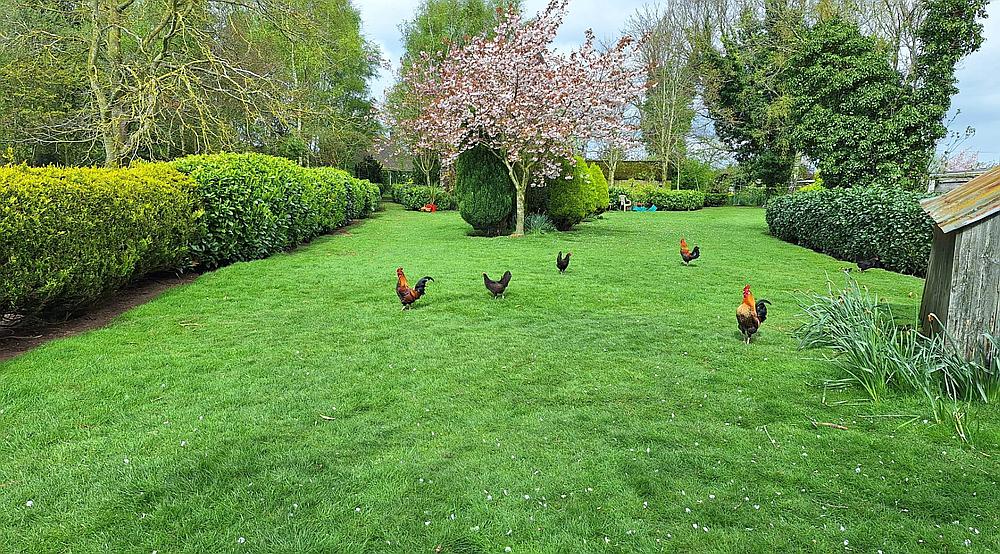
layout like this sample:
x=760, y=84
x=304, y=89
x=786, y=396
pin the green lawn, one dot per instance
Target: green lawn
x=610, y=409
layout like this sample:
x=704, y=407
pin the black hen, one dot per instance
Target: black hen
x=561, y=262
x=865, y=265
x=497, y=287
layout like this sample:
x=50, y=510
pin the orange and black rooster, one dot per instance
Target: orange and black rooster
x=497, y=288
x=750, y=314
x=561, y=262
x=406, y=294
x=687, y=256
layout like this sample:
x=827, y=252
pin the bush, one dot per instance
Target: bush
x=538, y=224
x=601, y=194
x=677, y=200
x=256, y=205
x=483, y=190
x=414, y=197
x=71, y=236
x=713, y=199
x=697, y=175
x=857, y=224
x=641, y=192
x=536, y=200
x=571, y=196
x=813, y=187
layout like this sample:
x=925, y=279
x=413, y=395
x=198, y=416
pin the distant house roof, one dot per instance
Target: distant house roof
x=967, y=204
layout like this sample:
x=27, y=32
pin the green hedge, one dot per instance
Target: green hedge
x=857, y=224
x=414, y=197
x=713, y=199
x=483, y=190
x=256, y=205
x=642, y=192
x=70, y=236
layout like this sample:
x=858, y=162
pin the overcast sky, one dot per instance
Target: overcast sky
x=979, y=75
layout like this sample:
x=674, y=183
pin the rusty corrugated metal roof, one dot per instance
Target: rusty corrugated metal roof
x=967, y=204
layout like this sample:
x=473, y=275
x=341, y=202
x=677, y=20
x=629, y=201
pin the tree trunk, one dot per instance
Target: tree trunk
x=519, y=220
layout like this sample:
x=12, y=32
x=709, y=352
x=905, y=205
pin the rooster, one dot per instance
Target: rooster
x=687, y=256
x=561, y=262
x=497, y=287
x=406, y=294
x=750, y=314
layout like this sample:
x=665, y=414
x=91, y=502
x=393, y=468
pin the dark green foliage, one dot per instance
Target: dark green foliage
x=749, y=95
x=696, y=175
x=256, y=205
x=601, y=196
x=857, y=224
x=859, y=118
x=713, y=199
x=414, y=197
x=536, y=200
x=483, y=189
x=70, y=236
x=854, y=113
x=570, y=199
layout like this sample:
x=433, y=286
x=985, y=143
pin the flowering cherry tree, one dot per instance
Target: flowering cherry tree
x=514, y=94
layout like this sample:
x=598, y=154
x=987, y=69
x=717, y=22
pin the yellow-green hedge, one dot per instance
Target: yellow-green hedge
x=69, y=236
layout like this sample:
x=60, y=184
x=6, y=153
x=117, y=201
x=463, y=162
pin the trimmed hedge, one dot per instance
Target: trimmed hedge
x=483, y=190
x=257, y=205
x=714, y=199
x=641, y=192
x=71, y=236
x=414, y=197
x=857, y=224
x=570, y=197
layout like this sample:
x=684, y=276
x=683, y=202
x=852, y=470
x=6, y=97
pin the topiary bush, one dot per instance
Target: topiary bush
x=69, y=236
x=601, y=193
x=483, y=190
x=571, y=196
x=414, y=197
x=857, y=224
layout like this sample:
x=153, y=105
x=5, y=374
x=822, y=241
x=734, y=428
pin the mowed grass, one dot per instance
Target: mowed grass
x=288, y=405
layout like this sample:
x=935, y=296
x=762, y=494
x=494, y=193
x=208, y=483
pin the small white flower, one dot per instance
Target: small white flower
x=695, y=525
x=846, y=542
x=357, y=510
x=184, y=443
x=241, y=540
x=29, y=503
x=125, y=460
x=427, y=523
x=507, y=549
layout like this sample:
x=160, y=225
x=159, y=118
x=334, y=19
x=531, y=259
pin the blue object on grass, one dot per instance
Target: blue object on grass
x=652, y=208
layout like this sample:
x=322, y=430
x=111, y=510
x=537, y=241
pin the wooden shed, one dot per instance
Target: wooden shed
x=963, y=280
